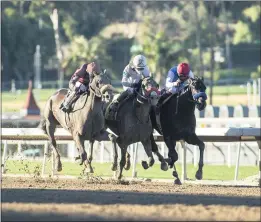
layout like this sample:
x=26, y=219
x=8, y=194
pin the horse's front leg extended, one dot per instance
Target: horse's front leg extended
x=173, y=157
x=194, y=140
x=79, y=140
x=164, y=165
x=148, y=149
x=89, y=168
x=115, y=152
x=123, y=159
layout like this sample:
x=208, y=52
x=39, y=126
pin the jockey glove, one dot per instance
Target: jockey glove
x=135, y=85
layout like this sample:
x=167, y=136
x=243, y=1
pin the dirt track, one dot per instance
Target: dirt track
x=25, y=199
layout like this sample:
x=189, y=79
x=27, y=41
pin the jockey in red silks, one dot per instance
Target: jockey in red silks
x=79, y=83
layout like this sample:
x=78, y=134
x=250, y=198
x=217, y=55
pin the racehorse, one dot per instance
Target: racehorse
x=176, y=120
x=84, y=122
x=132, y=124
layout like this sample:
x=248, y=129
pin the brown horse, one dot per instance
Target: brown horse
x=84, y=122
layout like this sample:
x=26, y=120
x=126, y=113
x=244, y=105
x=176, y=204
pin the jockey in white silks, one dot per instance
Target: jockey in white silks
x=132, y=77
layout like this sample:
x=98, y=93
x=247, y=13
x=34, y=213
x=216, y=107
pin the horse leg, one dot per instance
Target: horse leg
x=194, y=140
x=50, y=128
x=147, y=146
x=79, y=140
x=128, y=163
x=164, y=165
x=115, y=152
x=123, y=157
x=89, y=168
x=173, y=155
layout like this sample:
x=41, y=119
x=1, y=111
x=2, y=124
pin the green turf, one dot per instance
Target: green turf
x=228, y=90
x=210, y=172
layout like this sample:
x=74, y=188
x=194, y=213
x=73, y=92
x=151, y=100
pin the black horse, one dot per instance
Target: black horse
x=176, y=120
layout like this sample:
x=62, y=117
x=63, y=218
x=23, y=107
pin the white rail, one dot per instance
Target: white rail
x=206, y=134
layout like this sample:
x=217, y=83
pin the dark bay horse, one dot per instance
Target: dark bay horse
x=177, y=121
x=133, y=125
x=84, y=122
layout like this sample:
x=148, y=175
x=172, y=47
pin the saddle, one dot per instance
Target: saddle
x=111, y=111
x=78, y=101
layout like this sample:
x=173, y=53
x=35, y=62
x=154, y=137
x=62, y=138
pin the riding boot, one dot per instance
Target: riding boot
x=121, y=97
x=159, y=104
x=68, y=101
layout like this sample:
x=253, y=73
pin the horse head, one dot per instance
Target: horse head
x=102, y=88
x=198, y=89
x=149, y=91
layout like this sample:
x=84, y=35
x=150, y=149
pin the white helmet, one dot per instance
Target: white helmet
x=139, y=62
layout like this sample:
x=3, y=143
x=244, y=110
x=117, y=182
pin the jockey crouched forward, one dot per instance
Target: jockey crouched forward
x=177, y=75
x=79, y=83
x=131, y=78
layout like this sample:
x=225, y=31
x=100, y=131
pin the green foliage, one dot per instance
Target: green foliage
x=166, y=34
x=248, y=29
x=257, y=74
x=82, y=51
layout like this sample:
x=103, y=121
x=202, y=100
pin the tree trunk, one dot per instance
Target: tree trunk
x=59, y=53
x=212, y=30
x=198, y=37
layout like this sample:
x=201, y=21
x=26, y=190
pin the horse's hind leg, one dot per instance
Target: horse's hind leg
x=147, y=146
x=164, y=165
x=194, y=140
x=50, y=128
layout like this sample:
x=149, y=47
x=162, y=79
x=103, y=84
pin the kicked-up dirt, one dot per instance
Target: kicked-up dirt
x=30, y=199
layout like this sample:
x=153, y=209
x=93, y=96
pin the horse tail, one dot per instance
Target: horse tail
x=42, y=125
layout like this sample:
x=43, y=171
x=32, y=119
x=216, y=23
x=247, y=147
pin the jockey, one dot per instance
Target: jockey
x=79, y=83
x=177, y=75
x=132, y=77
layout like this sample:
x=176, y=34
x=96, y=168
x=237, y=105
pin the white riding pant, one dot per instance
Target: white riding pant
x=80, y=87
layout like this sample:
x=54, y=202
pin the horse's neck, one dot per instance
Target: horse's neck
x=92, y=100
x=142, y=111
x=185, y=106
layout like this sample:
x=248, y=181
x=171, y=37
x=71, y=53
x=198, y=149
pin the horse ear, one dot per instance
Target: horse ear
x=202, y=78
x=152, y=75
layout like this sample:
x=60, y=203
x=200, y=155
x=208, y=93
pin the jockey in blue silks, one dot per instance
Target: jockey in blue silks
x=177, y=76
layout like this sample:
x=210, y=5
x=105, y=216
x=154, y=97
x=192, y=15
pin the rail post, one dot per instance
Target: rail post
x=259, y=146
x=184, y=161
x=4, y=157
x=238, y=159
x=45, y=157
x=135, y=156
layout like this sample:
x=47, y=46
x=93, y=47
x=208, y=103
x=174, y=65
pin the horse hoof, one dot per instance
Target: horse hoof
x=144, y=165
x=198, y=175
x=119, y=177
x=151, y=162
x=59, y=167
x=89, y=170
x=127, y=166
x=177, y=181
x=175, y=174
x=77, y=158
x=114, y=167
x=164, y=166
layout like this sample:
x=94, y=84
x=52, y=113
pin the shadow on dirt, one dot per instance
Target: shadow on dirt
x=25, y=216
x=120, y=197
